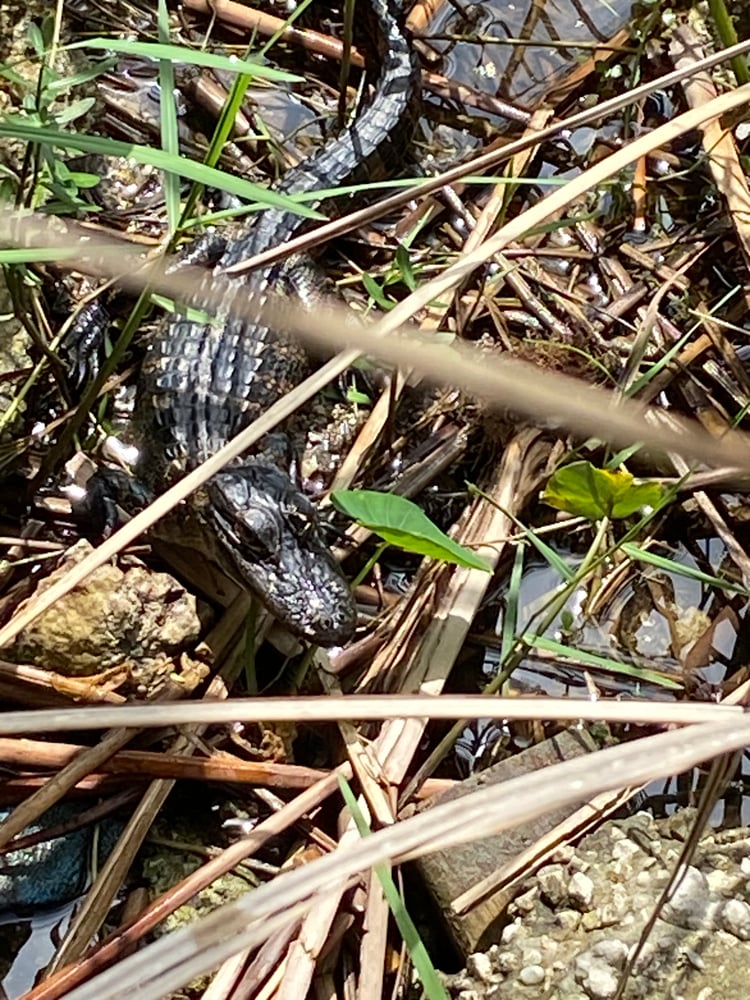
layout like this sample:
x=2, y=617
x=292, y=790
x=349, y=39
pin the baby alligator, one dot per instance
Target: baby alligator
x=201, y=384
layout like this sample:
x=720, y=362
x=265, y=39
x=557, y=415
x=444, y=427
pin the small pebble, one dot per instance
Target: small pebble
x=507, y=961
x=735, y=918
x=480, y=966
x=609, y=915
x=531, y=975
x=531, y=956
x=597, y=970
x=688, y=906
x=509, y=932
x=591, y=921
x=694, y=958
x=564, y=854
x=525, y=903
x=568, y=919
x=552, y=882
x=600, y=983
x=624, y=849
x=613, y=950
x=580, y=891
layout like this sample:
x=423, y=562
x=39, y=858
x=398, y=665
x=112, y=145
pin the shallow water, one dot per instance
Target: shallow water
x=523, y=73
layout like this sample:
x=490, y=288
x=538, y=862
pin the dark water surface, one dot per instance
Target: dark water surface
x=523, y=73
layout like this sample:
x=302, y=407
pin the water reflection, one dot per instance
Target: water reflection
x=521, y=73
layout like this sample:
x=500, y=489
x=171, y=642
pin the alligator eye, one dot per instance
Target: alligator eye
x=258, y=533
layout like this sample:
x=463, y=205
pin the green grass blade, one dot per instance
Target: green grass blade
x=227, y=119
x=553, y=558
x=640, y=383
x=433, y=987
x=512, y=602
x=580, y=657
x=221, y=134
x=28, y=255
x=638, y=554
x=170, y=142
x=229, y=112
x=299, y=10
x=190, y=57
x=623, y=456
x=66, y=84
x=15, y=128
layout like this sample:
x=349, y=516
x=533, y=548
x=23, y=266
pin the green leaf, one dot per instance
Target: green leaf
x=48, y=30
x=35, y=38
x=28, y=103
x=376, y=293
x=357, y=398
x=582, y=489
x=83, y=180
x=400, y=522
x=403, y=263
x=76, y=109
x=624, y=455
x=60, y=171
x=15, y=78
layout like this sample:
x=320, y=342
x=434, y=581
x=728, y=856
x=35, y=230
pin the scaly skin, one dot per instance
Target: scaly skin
x=202, y=384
